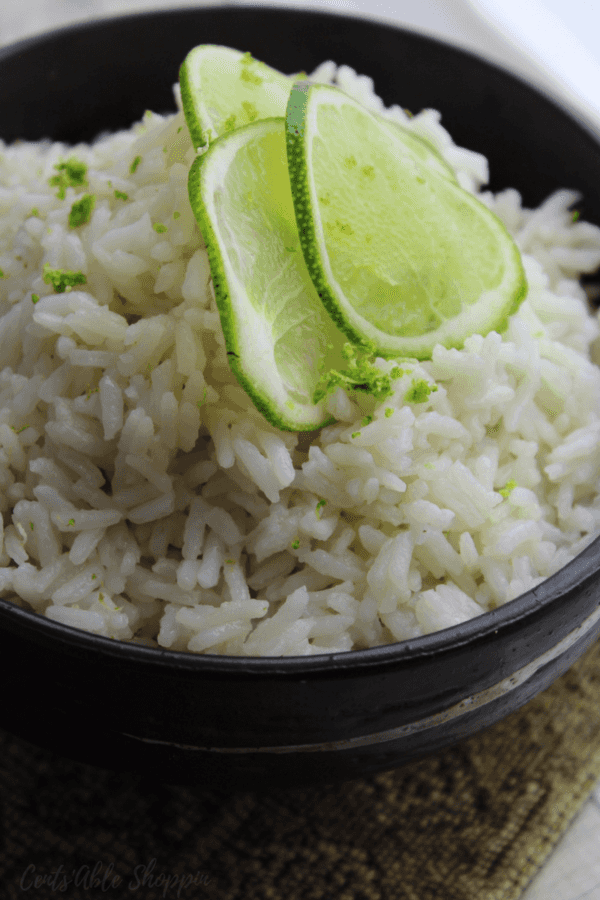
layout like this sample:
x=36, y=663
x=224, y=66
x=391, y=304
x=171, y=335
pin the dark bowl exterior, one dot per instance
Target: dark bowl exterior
x=177, y=717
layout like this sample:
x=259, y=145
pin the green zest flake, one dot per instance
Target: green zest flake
x=120, y=195
x=229, y=123
x=230, y=562
x=366, y=420
x=575, y=216
x=176, y=214
x=62, y=280
x=355, y=434
x=389, y=412
x=81, y=211
x=295, y=544
x=71, y=173
x=71, y=522
x=34, y=212
x=135, y=164
x=419, y=391
x=319, y=507
x=35, y=298
x=245, y=74
x=159, y=228
x=1, y=274
x=250, y=110
x=361, y=375
x=31, y=525
x=250, y=77
x=19, y=430
x=508, y=488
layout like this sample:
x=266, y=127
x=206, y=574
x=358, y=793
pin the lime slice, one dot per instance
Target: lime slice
x=420, y=148
x=223, y=89
x=400, y=255
x=279, y=336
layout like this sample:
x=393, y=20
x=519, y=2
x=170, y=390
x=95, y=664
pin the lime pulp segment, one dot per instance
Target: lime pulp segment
x=399, y=253
x=279, y=336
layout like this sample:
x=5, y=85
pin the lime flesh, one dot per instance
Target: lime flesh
x=223, y=89
x=279, y=336
x=400, y=255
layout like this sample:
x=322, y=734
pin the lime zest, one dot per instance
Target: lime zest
x=508, y=488
x=229, y=123
x=71, y=173
x=135, y=164
x=419, y=391
x=81, y=211
x=121, y=195
x=361, y=375
x=62, y=279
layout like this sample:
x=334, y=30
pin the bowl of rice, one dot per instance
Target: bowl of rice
x=206, y=597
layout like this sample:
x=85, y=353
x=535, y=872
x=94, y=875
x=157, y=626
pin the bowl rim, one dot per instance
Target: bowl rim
x=478, y=629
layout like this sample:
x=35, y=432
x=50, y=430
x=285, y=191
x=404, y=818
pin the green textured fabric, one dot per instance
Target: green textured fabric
x=474, y=822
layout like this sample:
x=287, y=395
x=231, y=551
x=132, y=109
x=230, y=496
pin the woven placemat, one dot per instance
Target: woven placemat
x=474, y=822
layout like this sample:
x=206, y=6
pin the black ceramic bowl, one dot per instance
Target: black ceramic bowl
x=180, y=717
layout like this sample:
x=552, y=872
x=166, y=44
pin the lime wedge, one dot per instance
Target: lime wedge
x=400, y=255
x=279, y=336
x=223, y=89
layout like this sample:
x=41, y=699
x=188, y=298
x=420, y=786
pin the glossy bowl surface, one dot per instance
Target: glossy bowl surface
x=179, y=717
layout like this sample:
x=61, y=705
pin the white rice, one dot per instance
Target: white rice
x=145, y=499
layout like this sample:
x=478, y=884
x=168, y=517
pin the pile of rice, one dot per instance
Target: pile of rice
x=143, y=497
